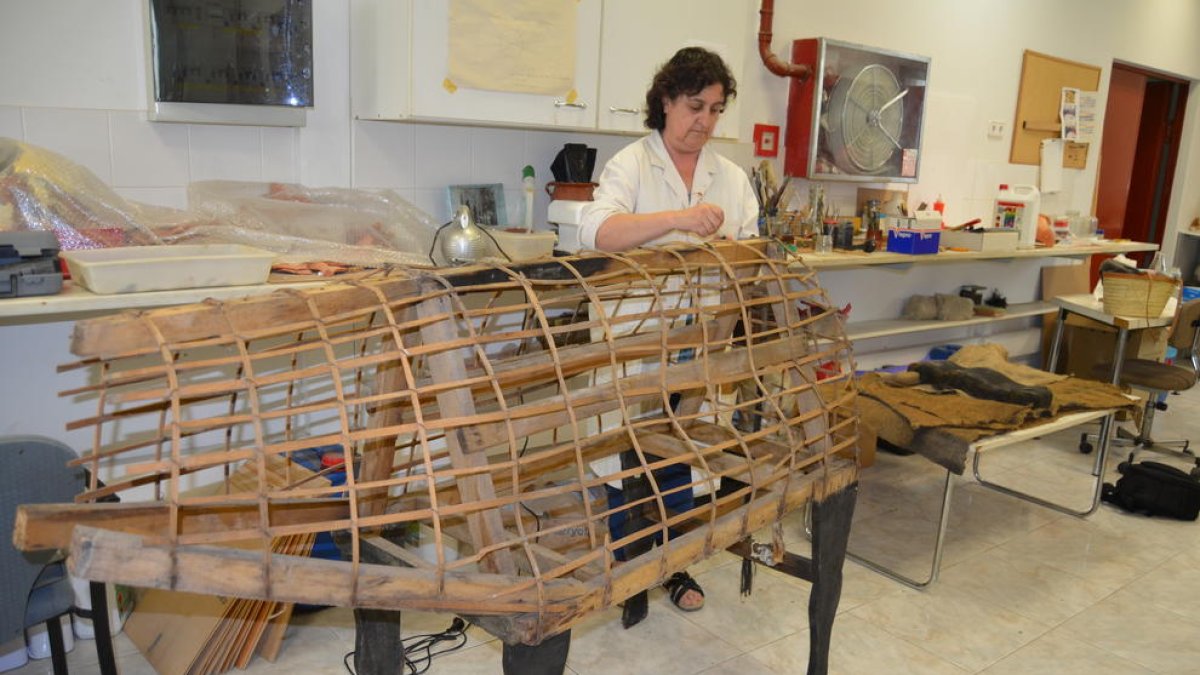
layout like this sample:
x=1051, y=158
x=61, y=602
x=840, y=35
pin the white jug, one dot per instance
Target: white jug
x=1017, y=207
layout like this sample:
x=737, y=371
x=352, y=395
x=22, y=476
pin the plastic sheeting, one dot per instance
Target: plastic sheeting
x=41, y=190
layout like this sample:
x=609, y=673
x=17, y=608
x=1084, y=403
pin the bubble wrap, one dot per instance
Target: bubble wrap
x=41, y=190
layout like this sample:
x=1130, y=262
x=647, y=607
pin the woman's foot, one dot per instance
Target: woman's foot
x=684, y=592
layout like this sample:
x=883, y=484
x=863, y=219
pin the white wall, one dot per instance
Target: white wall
x=73, y=81
x=976, y=49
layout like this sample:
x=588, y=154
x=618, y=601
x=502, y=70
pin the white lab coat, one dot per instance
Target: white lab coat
x=641, y=178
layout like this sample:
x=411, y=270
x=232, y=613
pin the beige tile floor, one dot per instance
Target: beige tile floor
x=1024, y=590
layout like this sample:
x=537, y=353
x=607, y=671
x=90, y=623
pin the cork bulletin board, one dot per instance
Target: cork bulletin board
x=1042, y=79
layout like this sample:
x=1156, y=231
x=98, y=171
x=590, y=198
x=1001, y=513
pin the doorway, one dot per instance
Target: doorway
x=1143, y=121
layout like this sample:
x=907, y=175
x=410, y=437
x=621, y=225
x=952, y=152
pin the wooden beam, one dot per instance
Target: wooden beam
x=129, y=333
x=114, y=557
x=49, y=526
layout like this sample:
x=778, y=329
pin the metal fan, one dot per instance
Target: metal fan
x=864, y=117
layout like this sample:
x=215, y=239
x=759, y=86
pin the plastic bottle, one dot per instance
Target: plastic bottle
x=39, y=640
x=1017, y=208
x=119, y=602
x=527, y=182
x=940, y=207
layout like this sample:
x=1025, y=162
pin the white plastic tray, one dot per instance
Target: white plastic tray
x=135, y=269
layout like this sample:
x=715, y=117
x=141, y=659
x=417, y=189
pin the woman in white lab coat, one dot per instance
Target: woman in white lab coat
x=667, y=187
x=670, y=186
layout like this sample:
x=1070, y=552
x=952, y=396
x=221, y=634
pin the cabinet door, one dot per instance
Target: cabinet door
x=380, y=59
x=640, y=36
x=434, y=98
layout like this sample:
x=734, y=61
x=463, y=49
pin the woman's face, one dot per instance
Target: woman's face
x=690, y=118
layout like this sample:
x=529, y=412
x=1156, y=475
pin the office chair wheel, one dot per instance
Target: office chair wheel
x=1084, y=446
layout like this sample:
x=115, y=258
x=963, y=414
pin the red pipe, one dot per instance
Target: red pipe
x=800, y=71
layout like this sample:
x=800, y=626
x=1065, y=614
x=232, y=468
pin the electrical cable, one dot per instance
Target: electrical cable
x=433, y=244
x=457, y=633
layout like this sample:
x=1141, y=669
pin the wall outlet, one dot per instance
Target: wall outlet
x=995, y=129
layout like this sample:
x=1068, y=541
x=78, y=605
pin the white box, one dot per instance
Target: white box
x=522, y=245
x=135, y=269
x=990, y=239
x=927, y=220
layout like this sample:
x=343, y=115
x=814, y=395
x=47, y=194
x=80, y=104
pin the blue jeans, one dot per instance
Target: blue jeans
x=667, y=478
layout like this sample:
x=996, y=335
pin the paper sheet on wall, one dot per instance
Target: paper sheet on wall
x=1052, y=165
x=1088, y=101
x=524, y=46
x=1078, y=115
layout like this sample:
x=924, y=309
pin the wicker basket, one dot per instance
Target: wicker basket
x=1138, y=295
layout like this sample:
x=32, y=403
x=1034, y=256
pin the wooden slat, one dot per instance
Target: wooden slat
x=466, y=444
x=48, y=526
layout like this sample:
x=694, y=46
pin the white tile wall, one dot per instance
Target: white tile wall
x=148, y=155
x=497, y=155
x=384, y=155
x=154, y=161
x=280, y=146
x=10, y=123
x=225, y=152
x=82, y=136
x=443, y=155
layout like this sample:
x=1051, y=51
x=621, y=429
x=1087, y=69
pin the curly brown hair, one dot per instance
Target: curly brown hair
x=688, y=72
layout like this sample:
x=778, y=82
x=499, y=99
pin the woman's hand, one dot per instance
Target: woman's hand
x=703, y=219
x=623, y=231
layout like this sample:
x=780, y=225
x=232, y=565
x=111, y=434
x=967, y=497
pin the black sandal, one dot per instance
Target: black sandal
x=680, y=583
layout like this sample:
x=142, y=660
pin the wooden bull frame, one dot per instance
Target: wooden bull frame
x=471, y=401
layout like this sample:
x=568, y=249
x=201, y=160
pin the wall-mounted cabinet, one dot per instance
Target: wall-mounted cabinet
x=640, y=36
x=400, y=70
x=400, y=54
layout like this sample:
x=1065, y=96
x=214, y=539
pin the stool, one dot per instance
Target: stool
x=1157, y=379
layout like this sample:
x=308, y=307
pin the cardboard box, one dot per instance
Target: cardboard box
x=1090, y=343
x=994, y=239
x=927, y=220
x=914, y=242
x=864, y=450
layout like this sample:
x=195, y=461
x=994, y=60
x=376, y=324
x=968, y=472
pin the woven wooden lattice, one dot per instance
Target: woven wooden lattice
x=478, y=405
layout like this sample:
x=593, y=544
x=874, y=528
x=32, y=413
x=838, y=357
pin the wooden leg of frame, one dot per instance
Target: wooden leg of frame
x=377, y=646
x=831, y=532
x=547, y=658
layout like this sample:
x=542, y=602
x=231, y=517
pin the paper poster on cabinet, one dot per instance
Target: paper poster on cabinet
x=522, y=46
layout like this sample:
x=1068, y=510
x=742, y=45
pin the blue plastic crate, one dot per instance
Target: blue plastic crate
x=942, y=352
x=310, y=458
x=914, y=242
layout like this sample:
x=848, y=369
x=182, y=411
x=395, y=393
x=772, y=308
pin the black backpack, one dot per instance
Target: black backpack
x=1155, y=489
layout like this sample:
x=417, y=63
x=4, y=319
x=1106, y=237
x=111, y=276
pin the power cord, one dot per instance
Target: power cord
x=433, y=244
x=423, y=647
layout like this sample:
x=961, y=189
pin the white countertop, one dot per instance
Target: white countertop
x=860, y=259
x=76, y=302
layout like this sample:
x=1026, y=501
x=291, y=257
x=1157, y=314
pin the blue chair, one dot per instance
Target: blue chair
x=35, y=586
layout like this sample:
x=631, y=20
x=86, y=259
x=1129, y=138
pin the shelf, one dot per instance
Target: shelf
x=866, y=330
x=850, y=259
x=75, y=300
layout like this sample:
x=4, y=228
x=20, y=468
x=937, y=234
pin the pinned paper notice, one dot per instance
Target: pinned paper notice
x=1052, y=165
